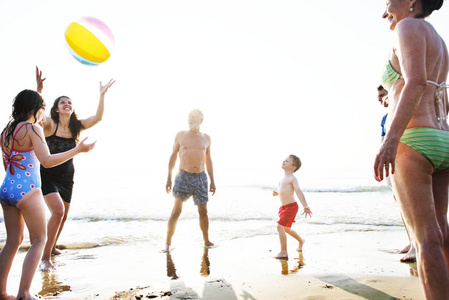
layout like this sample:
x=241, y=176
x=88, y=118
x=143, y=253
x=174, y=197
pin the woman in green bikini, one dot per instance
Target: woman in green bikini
x=416, y=147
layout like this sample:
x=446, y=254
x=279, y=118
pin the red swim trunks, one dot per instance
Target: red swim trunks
x=287, y=214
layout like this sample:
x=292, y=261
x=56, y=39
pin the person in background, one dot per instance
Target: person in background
x=193, y=148
x=62, y=130
x=288, y=186
x=382, y=97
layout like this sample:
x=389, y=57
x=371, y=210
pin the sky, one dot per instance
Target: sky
x=272, y=77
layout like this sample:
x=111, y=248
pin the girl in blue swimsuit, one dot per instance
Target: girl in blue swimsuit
x=23, y=149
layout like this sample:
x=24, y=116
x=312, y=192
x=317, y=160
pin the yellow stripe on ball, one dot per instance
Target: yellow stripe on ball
x=86, y=44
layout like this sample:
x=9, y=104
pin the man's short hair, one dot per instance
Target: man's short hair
x=296, y=162
x=199, y=112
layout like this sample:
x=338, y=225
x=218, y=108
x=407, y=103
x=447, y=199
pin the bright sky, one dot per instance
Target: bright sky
x=273, y=77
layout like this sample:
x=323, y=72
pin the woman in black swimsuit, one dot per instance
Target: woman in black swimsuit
x=62, y=131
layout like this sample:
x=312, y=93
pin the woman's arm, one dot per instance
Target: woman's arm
x=91, y=121
x=46, y=122
x=48, y=160
x=39, y=80
x=411, y=54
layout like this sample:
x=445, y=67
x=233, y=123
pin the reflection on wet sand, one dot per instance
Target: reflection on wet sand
x=298, y=263
x=205, y=263
x=171, y=269
x=413, y=269
x=50, y=284
x=212, y=289
x=204, y=269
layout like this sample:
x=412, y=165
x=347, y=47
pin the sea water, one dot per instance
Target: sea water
x=113, y=209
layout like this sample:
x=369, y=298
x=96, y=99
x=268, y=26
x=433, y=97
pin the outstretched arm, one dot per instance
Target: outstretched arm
x=39, y=80
x=301, y=198
x=46, y=121
x=50, y=160
x=91, y=121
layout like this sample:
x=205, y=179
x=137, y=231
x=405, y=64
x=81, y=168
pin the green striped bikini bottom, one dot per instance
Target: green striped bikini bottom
x=431, y=143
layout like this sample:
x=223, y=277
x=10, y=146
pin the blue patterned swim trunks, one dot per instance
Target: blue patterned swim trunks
x=191, y=184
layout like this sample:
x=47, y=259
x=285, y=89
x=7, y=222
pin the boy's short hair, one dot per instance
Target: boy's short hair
x=296, y=162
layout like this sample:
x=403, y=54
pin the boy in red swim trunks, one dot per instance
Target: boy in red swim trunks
x=289, y=208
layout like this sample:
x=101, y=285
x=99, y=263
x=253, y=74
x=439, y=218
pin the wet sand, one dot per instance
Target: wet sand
x=340, y=265
x=336, y=263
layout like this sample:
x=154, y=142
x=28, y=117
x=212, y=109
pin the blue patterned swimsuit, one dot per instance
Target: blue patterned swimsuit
x=22, y=174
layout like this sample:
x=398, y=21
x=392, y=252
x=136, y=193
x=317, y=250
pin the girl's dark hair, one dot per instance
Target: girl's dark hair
x=75, y=124
x=26, y=104
x=428, y=6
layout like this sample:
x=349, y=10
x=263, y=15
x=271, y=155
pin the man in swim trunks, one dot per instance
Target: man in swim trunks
x=193, y=148
x=289, y=208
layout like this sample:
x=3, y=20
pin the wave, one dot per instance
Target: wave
x=125, y=219
x=330, y=220
x=335, y=189
x=107, y=241
x=376, y=223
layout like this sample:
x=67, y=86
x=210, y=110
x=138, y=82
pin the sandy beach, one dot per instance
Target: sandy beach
x=345, y=265
x=334, y=265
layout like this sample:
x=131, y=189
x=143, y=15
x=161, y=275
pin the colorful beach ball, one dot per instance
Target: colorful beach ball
x=89, y=40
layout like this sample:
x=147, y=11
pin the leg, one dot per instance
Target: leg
x=61, y=226
x=33, y=211
x=412, y=183
x=56, y=207
x=410, y=248
x=440, y=194
x=14, y=236
x=410, y=251
x=294, y=234
x=173, y=220
x=204, y=224
x=283, y=240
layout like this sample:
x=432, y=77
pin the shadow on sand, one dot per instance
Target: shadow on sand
x=213, y=289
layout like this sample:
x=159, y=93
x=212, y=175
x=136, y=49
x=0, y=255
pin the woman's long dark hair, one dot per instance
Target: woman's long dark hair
x=25, y=104
x=428, y=6
x=75, y=124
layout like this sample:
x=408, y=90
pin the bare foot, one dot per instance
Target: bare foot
x=410, y=256
x=167, y=249
x=282, y=255
x=301, y=243
x=7, y=297
x=209, y=244
x=56, y=252
x=26, y=296
x=46, y=265
x=405, y=250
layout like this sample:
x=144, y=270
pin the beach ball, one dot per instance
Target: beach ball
x=90, y=41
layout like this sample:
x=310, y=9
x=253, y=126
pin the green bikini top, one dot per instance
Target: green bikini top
x=390, y=76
